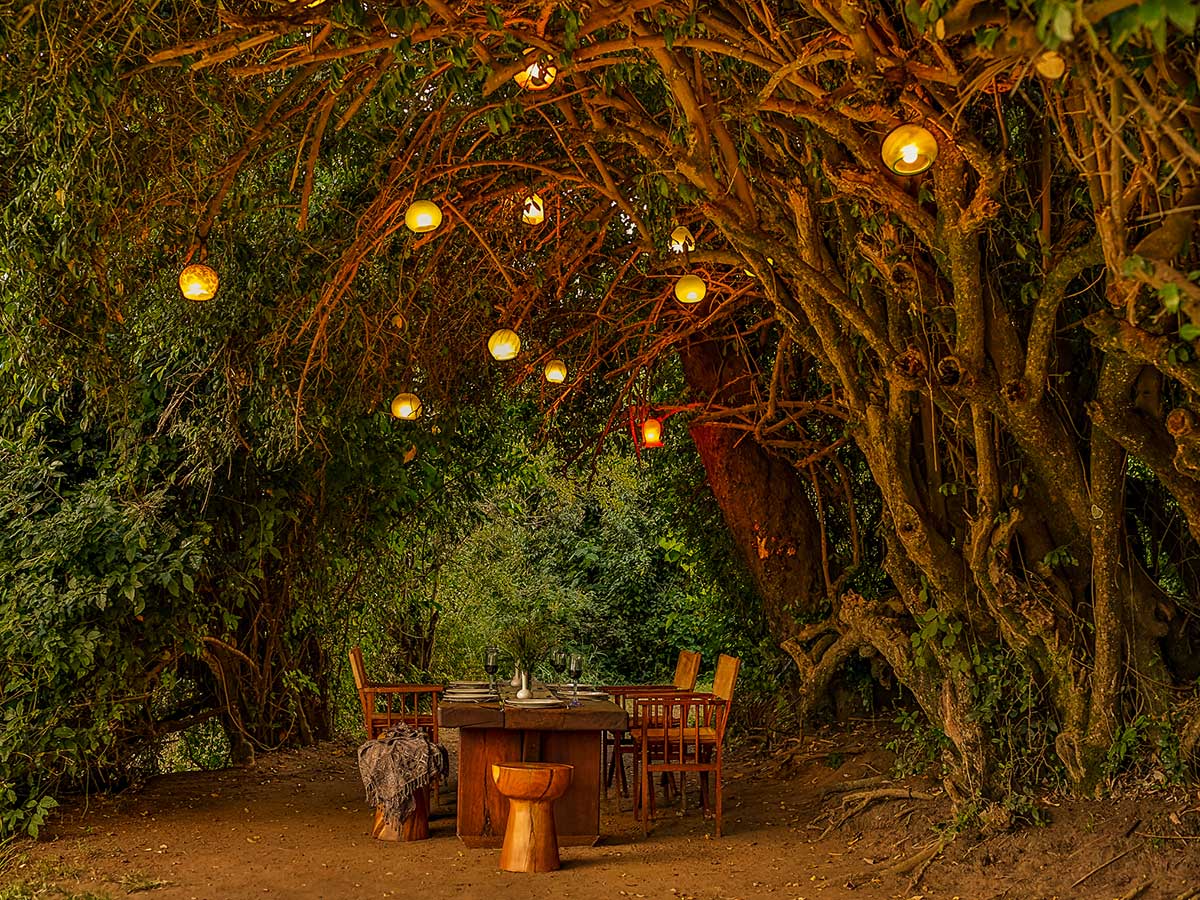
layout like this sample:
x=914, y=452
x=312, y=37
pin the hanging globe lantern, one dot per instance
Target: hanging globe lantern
x=690, y=289
x=422, y=216
x=652, y=433
x=399, y=322
x=198, y=282
x=533, y=211
x=1051, y=65
x=538, y=75
x=504, y=344
x=682, y=240
x=555, y=371
x=406, y=406
x=909, y=150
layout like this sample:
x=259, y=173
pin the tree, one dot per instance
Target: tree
x=1019, y=462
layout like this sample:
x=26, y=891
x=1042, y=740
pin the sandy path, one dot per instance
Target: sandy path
x=295, y=826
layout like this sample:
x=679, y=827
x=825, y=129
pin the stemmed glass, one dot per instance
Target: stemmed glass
x=574, y=670
x=558, y=662
x=491, y=664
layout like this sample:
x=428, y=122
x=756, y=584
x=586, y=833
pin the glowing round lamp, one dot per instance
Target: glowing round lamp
x=406, y=406
x=652, y=433
x=399, y=321
x=682, y=240
x=198, y=282
x=909, y=150
x=533, y=211
x=504, y=344
x=690, y=289
x=555, y=371
x=538, y=75
x=422, y=216
x=1051, y=65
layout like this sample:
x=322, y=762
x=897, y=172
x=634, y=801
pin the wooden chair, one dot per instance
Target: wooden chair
x=687, y=670
x=684, y=732
x=414, y=704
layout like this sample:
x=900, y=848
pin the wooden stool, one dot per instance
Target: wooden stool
x=530, y=839
x=414, y=828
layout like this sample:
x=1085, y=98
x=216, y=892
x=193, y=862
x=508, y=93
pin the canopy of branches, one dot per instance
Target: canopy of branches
x=983, y=377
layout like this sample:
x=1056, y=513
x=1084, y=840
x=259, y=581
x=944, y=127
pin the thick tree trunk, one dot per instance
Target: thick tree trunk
x=762, y=498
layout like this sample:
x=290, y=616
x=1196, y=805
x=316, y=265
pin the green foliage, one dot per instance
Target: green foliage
x=920, y=744
x=98, y=578
x=600, y=563
x=1147, y=746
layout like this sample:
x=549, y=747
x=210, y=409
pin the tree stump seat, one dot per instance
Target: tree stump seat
x=530, y=838
x=414, y=828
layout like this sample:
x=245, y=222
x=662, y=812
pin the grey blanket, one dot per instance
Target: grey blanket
x=397, y=765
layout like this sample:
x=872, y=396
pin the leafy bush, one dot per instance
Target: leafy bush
x=95, y=586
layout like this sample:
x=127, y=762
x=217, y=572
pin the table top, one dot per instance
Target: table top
x=589, y=715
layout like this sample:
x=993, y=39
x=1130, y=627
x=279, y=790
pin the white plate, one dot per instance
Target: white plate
x=535, y=702
x=590, y=694
x=453, y=698
x=468, y=684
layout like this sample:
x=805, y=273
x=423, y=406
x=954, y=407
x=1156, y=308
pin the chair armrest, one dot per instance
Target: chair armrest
x=632, y=690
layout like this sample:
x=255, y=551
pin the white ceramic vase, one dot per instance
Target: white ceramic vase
x=524, y=693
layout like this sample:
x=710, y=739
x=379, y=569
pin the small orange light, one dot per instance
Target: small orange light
x=652, y=433
x=690, y=289
x=406, y=406
x=682, y=240
x=555, y=371
x=533, y=210
x=504, y=344
x=538, y=75
x=909, y=150
x=422, y=216
x=198, y=282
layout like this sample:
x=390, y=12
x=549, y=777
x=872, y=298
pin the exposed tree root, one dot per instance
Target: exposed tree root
x=857, y=801
x=916, y=864
x=854, y=785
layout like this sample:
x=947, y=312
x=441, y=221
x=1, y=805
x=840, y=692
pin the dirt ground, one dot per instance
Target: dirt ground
x=295, y=826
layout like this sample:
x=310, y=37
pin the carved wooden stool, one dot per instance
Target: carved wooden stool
x=530, y=839
x=414, y=828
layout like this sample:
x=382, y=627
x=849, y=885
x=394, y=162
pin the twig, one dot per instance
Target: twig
x=1137, y=890
x=888, y=794
x=1103, y=865
x=853, y=785
x=1170, y=837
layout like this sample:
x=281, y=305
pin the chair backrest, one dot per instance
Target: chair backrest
x=724, y=681
x=357, y=667
x=416, y=704
x=672, y=727
x=725, y=678
x=361, y=682
x=687, y=670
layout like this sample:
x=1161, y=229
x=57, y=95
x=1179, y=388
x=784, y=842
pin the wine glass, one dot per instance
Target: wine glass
x=574, y=670
x=558, y=662
x=491, y=664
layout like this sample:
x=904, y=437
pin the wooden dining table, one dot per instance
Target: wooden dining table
x=499, y=732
